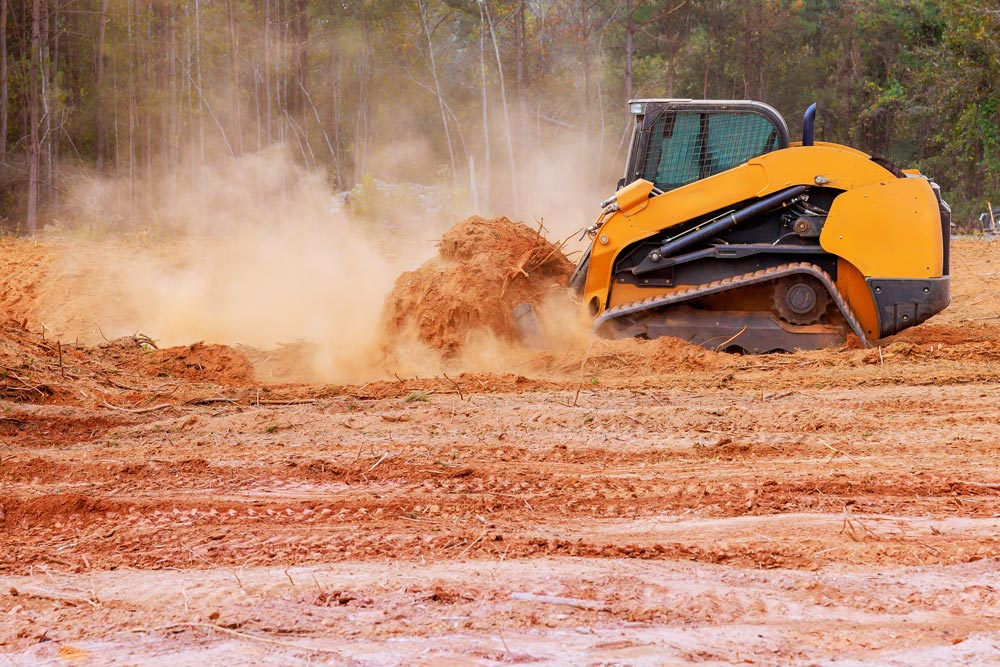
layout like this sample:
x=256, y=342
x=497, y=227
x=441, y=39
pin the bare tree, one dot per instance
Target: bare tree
x=4, y=84
x=520, y=48
x=173, y=149
x=132, y=110
x=100, y=129
x=298, y=85
x=506, y=112
x=361, y=128
x=45, y=99
x=486, y=115
x=234, y=89
x=201, y=101
x=437, y=89
x=55, y=123
x=267, y=70
x=33, y=93
x=336, y=80
x=630, y=30
x=149, y=106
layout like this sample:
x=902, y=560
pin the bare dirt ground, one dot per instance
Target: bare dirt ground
x=663, y=505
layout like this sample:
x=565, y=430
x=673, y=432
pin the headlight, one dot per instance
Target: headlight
x=637, y=108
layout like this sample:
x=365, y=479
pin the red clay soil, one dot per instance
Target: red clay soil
x=200, y=363
x=39, y=370
x=629, y=502
x=484, y=269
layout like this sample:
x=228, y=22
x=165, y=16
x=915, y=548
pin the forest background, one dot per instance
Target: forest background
x=484, y=100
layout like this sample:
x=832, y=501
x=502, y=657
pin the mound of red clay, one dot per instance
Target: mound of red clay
x=38, y=370
x=483, y=270
x=216, y=364
x=219, y=364
x=64, y=503
x=26, y=369
x=627, y=358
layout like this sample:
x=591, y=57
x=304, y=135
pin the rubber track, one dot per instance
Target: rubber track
x=735, y=282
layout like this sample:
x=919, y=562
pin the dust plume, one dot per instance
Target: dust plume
x=255, y=251
x=258, y=251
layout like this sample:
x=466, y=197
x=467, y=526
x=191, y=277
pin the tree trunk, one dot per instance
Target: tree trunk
x=201, y=105
x=100, y=131
x=672, y=75
x=707, y=68
x=335, y=108
x=33, y=94
x=267, y=70
x=361, y=116
x=54, y=106
x=114, y=105
x=45, y=140
x=522, y=82
x=234, y=54
x=151, y=105
x=506, y=113
x=173, y=131
x=486, y=115
x=280, y=92
x=280, y=64
x=629, y=46
x=437, y=90
x=585, y=59
x=4, y=89
x=132, y=111
x=299, y=87
x=187, y=99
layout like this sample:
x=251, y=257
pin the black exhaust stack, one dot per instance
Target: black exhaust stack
x=809, y=126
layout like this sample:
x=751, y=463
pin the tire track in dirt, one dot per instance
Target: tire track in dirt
x=836, y=498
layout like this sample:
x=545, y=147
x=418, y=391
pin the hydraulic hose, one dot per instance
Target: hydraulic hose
x=703, y=233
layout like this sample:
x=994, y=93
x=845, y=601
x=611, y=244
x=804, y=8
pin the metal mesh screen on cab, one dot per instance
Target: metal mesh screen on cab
x=686, y=146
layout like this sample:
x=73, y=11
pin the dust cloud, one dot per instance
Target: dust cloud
x=259, y=251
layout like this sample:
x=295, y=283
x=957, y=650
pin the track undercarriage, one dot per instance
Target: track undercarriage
x=790, y=307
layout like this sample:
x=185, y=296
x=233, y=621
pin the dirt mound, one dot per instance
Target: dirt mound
x=624, y=359
x=65, y=503
x=23, y=266
x=25, y=370
x=938, y=334
x=484, y=269
x=36, y=369
x=219, y=364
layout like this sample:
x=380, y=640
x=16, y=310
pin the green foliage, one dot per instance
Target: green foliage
x=350, y=88
x=366, y=199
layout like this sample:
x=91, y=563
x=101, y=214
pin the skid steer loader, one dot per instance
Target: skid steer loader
x=726, y=234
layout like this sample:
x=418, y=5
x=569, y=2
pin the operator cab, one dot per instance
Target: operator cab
x=677, y=142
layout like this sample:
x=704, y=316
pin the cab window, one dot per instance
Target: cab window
x=687, y=146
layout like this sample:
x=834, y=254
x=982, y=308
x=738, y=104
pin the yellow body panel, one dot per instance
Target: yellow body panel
x=837, y=146
x=887, y=230
x=834, y=166
x=634, y=197
x=851, y=284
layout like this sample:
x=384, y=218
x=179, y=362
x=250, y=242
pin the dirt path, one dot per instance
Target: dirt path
x=827, y=508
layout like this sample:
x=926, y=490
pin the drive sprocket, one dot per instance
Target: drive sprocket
x=800, y=299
